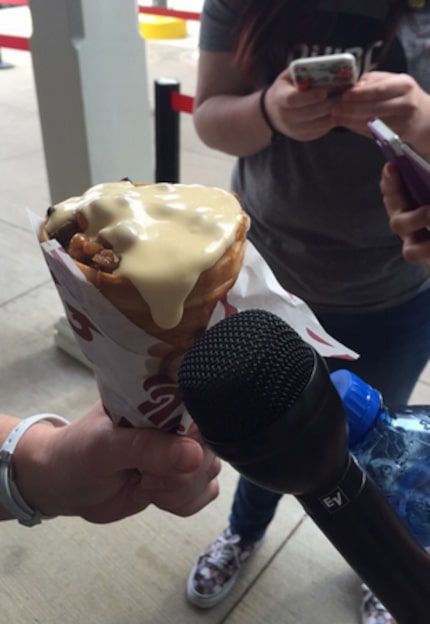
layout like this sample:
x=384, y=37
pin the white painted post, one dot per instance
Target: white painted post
x=91, y=82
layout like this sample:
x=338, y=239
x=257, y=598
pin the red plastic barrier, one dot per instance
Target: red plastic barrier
x=181, y=103
x=17, y=43
x=186, y=15
x=14, y=2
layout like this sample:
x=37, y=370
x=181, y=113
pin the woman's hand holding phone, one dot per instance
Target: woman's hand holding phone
x=405, y=187
x=409, y=223
x=300, y=115
x=300, y=103
x=395, y=98
x=413, y=169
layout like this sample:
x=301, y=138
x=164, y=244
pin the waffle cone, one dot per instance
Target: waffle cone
x=211, y=287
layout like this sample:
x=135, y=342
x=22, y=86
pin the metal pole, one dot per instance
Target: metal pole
x=167, y=137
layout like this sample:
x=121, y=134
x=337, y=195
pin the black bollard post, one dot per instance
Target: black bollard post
x=167, y=139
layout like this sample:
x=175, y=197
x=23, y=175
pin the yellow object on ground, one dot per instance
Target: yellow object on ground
x=160, y=27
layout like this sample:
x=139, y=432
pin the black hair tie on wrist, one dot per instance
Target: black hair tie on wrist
x=275, y=133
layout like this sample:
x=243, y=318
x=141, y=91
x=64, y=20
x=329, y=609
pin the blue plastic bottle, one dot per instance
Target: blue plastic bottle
x=393, y=447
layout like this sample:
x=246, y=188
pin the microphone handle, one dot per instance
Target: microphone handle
x=370, y=536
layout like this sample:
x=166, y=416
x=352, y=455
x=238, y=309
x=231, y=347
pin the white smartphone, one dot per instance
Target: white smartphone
x=414, y=170
x=334, y=72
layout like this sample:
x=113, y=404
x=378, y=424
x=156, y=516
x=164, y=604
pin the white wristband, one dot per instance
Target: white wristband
x=10, y=498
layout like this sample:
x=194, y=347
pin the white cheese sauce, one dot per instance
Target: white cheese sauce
x=165, y=234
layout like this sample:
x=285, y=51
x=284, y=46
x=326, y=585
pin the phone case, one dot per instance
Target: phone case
x=414, y=170
x=335, y=72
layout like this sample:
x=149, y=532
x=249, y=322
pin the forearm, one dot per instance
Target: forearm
x=232, y=124
x=35, y=476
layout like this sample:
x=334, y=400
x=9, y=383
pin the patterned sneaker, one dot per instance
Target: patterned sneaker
x=216, y=570
x=372, y=611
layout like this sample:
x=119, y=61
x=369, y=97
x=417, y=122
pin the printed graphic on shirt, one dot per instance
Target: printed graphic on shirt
x=361, y=35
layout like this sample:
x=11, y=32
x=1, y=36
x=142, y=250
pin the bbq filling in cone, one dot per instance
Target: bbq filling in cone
x=162, y=254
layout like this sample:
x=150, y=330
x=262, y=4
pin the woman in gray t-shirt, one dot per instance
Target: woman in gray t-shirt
x=308, y=174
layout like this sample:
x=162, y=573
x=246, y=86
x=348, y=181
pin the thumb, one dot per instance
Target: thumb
x=153, y=451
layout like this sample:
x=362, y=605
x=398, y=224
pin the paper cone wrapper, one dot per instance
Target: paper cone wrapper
x=134, y=383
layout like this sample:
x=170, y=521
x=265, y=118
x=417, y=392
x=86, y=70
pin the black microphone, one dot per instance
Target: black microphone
x=263, y=401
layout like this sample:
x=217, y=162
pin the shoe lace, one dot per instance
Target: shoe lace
x=224, y=550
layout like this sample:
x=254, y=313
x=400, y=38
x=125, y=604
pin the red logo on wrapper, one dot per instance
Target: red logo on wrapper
x=161, y=407
x=319, y=340
x=81, y=324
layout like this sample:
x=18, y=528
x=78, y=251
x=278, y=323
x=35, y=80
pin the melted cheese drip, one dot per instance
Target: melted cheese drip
x=165, y=234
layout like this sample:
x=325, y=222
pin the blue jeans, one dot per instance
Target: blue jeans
x=394, y=347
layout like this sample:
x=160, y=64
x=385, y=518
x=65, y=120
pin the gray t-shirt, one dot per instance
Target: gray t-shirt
x=316, y=209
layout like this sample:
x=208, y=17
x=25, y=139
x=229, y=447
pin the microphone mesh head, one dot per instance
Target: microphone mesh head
x=243, y=374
